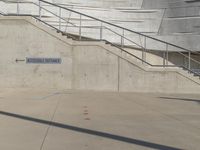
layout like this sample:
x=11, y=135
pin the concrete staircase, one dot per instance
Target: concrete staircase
x=136, y=67
x=86, y=65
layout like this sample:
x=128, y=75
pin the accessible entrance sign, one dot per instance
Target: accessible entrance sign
x=43, y=60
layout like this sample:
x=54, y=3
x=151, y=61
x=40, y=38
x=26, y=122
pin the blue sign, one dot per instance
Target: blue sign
x=43, y=60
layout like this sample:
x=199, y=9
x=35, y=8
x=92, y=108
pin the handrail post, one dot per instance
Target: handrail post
x=167, y=54
x=101, y=31
x=163, y=58
x=59, y=18
x=144, y=51
x=122, y=39
x=39, y=9
x=142, y=55
x=80, y=27
x=189, y=60
x=17, y=7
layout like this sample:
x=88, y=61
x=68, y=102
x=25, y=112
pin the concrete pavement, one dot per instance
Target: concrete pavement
x=77, y=120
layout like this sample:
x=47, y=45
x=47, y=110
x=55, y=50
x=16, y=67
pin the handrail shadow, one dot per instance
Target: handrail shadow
x=181, y=99
x=92, y=132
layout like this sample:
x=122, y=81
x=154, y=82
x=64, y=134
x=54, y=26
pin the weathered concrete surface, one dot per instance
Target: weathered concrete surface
x=20, y=39
x=85, y=65
x=48, y=120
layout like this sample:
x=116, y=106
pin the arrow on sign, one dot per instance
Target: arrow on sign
x=19, y=60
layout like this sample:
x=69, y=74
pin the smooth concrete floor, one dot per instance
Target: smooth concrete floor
x=77, y=120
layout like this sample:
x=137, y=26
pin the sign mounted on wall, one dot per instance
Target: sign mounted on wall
x=43, y=60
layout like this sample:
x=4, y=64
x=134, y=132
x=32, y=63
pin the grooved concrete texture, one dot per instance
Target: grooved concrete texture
x=85, y=65
x=176, y=22
x=59, y=120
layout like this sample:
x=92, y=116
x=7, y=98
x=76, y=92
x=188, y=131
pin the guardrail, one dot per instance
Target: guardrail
x=71, y=22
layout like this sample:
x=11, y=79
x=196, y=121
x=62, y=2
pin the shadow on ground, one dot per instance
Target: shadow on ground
x=92, y=132
x=181, y=99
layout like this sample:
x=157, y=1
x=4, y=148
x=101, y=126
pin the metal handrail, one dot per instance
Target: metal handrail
x=53, y=14
x=181, y=66
x=117, y=26
x=123, y=37
x=189, y=58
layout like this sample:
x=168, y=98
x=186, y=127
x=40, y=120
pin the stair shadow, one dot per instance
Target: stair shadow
x=92, y=132
x=181, y=99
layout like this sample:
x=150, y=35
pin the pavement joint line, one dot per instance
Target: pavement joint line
x=51, y=95
x=47, y=131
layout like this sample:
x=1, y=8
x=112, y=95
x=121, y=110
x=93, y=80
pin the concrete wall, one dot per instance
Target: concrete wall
x=133, y=78
x=94, y=68
x=20, y=39
x=85, y=65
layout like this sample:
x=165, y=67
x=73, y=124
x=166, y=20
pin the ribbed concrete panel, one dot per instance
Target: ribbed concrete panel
x=152, y=4
x=187, y=41
x=180, y=26
x=103, y=3
x=141, y=21
x=183, y=3
x=174, y=18
x=182, y=12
